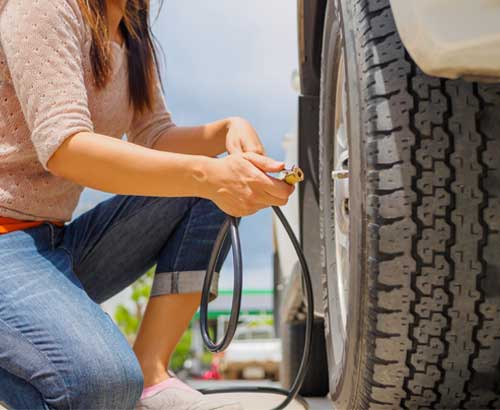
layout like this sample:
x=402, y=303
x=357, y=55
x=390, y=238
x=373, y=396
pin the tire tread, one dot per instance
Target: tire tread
x=433, y=235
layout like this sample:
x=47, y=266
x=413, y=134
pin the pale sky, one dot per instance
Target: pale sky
x=224, y=58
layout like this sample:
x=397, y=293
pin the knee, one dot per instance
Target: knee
x=112, y=382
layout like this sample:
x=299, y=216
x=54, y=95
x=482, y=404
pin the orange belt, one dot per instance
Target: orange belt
x=10, y=224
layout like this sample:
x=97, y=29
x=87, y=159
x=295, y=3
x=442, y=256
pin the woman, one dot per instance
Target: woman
x=76, y=76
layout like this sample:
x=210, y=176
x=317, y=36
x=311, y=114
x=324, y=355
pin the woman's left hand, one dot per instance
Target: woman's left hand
x=241, y=137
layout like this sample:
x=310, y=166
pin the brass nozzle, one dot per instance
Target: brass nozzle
x=293, y=175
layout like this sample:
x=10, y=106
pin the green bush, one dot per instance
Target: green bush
x=129, y=320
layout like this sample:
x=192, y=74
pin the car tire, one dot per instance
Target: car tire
x=421, y=326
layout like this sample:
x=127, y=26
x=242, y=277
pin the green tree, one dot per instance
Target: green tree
x=129, y=320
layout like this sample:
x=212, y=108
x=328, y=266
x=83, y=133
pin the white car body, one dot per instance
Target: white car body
x=286, y=253
x=451, y=38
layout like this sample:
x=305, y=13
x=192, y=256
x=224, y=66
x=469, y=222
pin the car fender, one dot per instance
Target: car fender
x=451, y=38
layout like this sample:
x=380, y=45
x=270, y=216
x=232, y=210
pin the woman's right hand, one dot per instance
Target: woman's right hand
x=240, y=186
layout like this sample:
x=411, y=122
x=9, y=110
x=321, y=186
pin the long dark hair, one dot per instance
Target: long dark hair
x=139, y=41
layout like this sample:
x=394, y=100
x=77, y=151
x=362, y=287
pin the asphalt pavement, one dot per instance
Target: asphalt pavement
x=260, y=401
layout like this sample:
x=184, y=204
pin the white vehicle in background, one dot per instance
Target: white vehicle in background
x=399, y=215
x=255, y=353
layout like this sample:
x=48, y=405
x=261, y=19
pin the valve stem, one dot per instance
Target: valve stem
x=340, y=174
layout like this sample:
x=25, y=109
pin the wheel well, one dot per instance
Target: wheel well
x=311, y=25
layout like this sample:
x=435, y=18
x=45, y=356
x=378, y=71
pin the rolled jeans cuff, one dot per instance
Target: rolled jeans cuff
x=169, y=283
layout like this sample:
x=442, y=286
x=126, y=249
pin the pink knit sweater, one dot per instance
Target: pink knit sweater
x=47, y=94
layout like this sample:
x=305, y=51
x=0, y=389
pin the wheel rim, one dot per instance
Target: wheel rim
x=340, y=177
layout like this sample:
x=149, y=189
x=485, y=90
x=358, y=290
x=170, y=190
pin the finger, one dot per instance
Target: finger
x=255, y=150
x=264, y=163
x=254, y=147
x=234, y=148
x=278, y=188
x=271, y=200
x=249, y=211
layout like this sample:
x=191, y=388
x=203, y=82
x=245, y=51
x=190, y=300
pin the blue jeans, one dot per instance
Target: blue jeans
x=58, y=349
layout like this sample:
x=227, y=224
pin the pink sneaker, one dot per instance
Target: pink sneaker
x=172, y=394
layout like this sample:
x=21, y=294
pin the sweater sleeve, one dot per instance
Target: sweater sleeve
x=148, y=126
x=42, y=41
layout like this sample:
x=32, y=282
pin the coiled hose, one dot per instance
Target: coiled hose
x=231, y=226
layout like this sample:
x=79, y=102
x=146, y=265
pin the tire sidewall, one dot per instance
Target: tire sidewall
x=345, y=366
